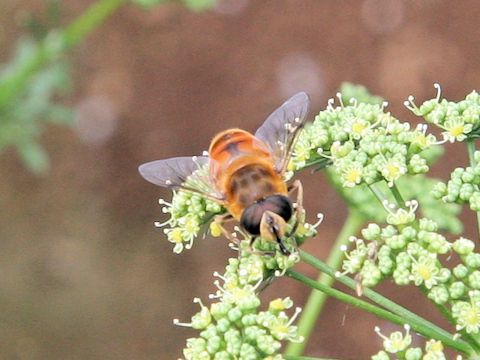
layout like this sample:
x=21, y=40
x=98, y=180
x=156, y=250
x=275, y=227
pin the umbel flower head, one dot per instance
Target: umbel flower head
x=399, y=345
x=234, y=327
x=463, y=186
x=364, y=144
x=458, y=120
x=190, y=214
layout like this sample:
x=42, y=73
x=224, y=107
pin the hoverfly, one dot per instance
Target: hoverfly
x=246, y=173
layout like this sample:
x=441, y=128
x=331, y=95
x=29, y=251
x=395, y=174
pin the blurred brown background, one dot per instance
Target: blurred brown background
x=83, y=272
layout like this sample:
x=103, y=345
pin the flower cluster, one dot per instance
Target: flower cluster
x=364, y=143
x=418, y=187
x=234, y=327
x=463, y=186
x=408, y=251
x=188, y=213
x=399, y=345
x=458, y=120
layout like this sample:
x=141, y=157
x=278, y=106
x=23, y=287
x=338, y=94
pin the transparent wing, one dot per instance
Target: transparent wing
x=183, y=173
x=281, y=128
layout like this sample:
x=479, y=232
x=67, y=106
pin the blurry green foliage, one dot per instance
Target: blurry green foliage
x=195, y=5
x=23, y=117
x=34, y=81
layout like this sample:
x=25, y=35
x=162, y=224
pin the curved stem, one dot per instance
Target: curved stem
x=422, y=327
x=379, y=299
x=316, y=301
x=396, y=194
x=471, y=158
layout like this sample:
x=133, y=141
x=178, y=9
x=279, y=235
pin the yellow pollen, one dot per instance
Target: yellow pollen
x=393, y=170
x=277, y=305
x=398, y=344
x=176, y=235
x=358, y=127
x=421, y=140
x=424, y=272
x=353, y=175
x=457, y=130
x=472, y=317
x=215, y=229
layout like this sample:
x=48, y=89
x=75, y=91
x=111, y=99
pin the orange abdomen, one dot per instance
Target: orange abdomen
x=242, y=168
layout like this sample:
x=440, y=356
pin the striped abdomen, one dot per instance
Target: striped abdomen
x=242, y=168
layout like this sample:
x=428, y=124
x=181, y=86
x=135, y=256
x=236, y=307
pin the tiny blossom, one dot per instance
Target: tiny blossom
x=233, y=327
x=467, y=314
x=396, y=342
x=425, y=271
x=364, y=144
x=459, y=120
x=399, y=345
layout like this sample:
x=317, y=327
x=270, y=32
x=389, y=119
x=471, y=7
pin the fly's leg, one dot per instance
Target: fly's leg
x=299, y=210
x=220, y=220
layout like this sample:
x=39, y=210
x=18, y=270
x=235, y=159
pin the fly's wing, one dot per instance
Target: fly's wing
x=281, y=128
x=183, y=173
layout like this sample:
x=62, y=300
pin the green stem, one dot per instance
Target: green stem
x=417, y=326
x=316, y=301
x=407, y=315
x=447, y=314
x=396, y=194
x=378, y=193
x=49, y=50
x=471, y=158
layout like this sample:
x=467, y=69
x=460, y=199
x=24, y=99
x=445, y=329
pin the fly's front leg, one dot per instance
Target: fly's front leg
x=298, y=206
x=220, y=220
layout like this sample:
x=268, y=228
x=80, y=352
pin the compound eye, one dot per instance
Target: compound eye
x=280, y=205
x=251, y=218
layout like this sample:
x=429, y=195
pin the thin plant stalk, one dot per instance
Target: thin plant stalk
x=316, y=300
x=422, y=327
x=377, y=298
x=471, y=158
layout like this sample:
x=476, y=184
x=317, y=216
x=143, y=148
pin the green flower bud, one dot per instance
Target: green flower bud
x=401, y=277
x=248, y=352
x=475, y=201
x=396, y=242
x=388, y=232
x=428, y=225
x=370, y=273
x=474, y=279
x=214, y=344
x=220, y=309
x=472, y=260
x=463, y=246
x=268, y=344
x=439, y=190
x=371, y=232
x=223, y=325
x=460, y=271
x=457, y=290
x=413, y=354
x=409, y=233
x=381, y=355
x=439, y=294
x=233, y=340
x=466, y=191
x=235, y=314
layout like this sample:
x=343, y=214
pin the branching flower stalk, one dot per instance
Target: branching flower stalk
x=361, y=146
